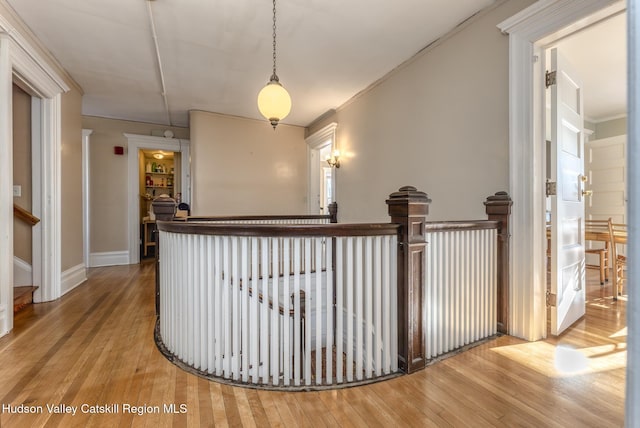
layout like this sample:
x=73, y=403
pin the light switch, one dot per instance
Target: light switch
x=17, y=191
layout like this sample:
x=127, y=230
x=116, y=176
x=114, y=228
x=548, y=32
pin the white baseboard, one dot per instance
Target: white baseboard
x=4, y=322
x=22, y=273
x=72, y=277
x=109, y=258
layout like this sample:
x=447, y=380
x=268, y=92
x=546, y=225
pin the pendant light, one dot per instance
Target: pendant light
x=274, y=101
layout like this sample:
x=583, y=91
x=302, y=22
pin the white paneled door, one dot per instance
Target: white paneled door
x=605, y=165
x=567, y=207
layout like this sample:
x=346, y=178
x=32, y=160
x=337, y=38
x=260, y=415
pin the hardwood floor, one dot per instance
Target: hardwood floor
x=94, y=347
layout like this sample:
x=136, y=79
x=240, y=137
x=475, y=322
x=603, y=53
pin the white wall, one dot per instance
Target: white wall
x=439, y=122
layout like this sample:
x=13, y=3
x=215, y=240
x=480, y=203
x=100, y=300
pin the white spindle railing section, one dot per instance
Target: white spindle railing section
x=461, y=287
x=272, y=220
x=229, y=308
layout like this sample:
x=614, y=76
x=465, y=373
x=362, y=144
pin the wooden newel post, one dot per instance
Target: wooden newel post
x=409, y=208
x=164, y=208
x=498, y=208
x=333, y=212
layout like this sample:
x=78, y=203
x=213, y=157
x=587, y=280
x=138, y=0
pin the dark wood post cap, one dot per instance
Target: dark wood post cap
x=500, y=203
x=411, y=193
x=164, y=208
x=499, y=197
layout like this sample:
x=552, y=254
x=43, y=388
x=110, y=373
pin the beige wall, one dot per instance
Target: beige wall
x=71, y=180
x=591, y=126
x=22, y=170
x=610, y=128
x=108, y=179
x=439, y=122
x=243, y=166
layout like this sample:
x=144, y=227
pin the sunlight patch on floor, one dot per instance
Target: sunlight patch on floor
x=621, y=333
x=564, y=360
x=568, y=360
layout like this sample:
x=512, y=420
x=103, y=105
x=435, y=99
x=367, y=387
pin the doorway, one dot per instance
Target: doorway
x=594, y=59
x=182, y=176
x=159, y=175
x=529, y=31
x=322, y=177
x=22, y=188
x=326, y=180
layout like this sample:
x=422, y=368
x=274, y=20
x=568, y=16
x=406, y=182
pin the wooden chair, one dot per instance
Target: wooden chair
x=618, y=233
x=598, y=230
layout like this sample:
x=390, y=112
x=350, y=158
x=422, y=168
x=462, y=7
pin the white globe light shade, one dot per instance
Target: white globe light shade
x=274, y=102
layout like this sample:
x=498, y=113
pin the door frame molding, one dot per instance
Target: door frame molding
x=86, y=192
x=315, y=142
x=136, y=143
x=20, y=61
x=529, y=31
x=632, y=411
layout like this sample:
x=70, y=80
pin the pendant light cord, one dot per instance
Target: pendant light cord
x=274, y=76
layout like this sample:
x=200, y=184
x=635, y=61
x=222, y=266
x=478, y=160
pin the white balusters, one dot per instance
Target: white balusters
x=265, y=311
x=328, y=313
x=318, y=313
x=349, y=309
x=461, y=284
x=275, y=316
x=253, y=309
x=307, y=322
x=297, y=313
x=339, y=336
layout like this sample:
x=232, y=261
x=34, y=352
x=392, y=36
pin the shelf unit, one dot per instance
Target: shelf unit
x=165, y=179
x=148, y=226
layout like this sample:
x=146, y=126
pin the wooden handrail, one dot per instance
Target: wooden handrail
x=222, y=219
x=445, y=226
x=332, y=217
x=25, y=215
x=288, y=230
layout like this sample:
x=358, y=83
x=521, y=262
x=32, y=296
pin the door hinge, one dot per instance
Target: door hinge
x=552, y=299
x=550, y=78
x=550, y=188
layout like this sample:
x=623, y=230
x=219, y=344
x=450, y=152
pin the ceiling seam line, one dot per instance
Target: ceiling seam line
x=154, y=35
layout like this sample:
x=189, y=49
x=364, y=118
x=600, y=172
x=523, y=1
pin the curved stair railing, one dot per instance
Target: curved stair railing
x=239, y=316
x=261, y=302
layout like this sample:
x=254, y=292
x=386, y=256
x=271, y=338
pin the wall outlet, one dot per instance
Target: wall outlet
x=17, y=191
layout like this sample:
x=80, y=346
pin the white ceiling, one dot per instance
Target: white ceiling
x=599, y=55
x=216, y=55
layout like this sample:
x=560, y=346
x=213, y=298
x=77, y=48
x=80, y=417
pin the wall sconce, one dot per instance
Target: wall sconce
x=334, y=159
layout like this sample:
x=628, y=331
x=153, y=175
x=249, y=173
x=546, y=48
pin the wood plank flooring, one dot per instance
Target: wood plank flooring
x=93, y=350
